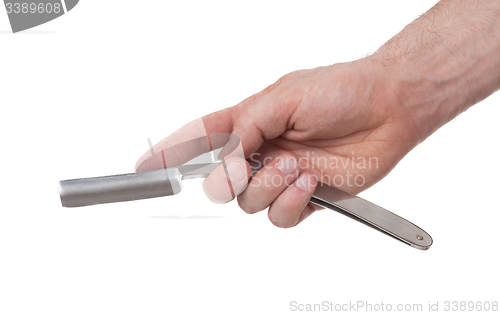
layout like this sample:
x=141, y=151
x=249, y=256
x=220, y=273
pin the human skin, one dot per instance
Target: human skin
x=378, y=107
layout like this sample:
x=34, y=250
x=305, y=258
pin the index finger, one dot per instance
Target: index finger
x=190, y=141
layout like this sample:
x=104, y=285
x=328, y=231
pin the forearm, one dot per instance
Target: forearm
x=445, y=61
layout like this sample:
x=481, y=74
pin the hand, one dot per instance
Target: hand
x=341, y=124
x=349, y=124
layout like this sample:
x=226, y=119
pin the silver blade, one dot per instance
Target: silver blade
x=197, y=170
x=106, y=189
x=143, y=185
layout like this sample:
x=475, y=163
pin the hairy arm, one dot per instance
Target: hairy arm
x=445, y=61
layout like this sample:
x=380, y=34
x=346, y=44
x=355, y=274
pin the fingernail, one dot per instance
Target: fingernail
x=287, y=164
x=236, y=172
x=303, y=182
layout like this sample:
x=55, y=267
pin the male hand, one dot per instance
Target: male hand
x=341, y=124
x=349, y=124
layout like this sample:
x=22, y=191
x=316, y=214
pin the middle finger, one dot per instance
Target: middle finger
x=268, y=183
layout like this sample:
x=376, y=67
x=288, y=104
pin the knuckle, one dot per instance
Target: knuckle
x=291, y=75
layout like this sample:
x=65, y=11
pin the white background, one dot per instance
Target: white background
x=80, y=95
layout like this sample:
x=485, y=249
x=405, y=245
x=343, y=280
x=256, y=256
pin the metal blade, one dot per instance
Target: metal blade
x=197, y=170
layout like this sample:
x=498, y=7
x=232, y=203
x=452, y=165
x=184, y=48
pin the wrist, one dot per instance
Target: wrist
x=441, y=64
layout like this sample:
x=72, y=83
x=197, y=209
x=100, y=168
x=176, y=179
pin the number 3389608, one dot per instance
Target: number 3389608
x=33, y=7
